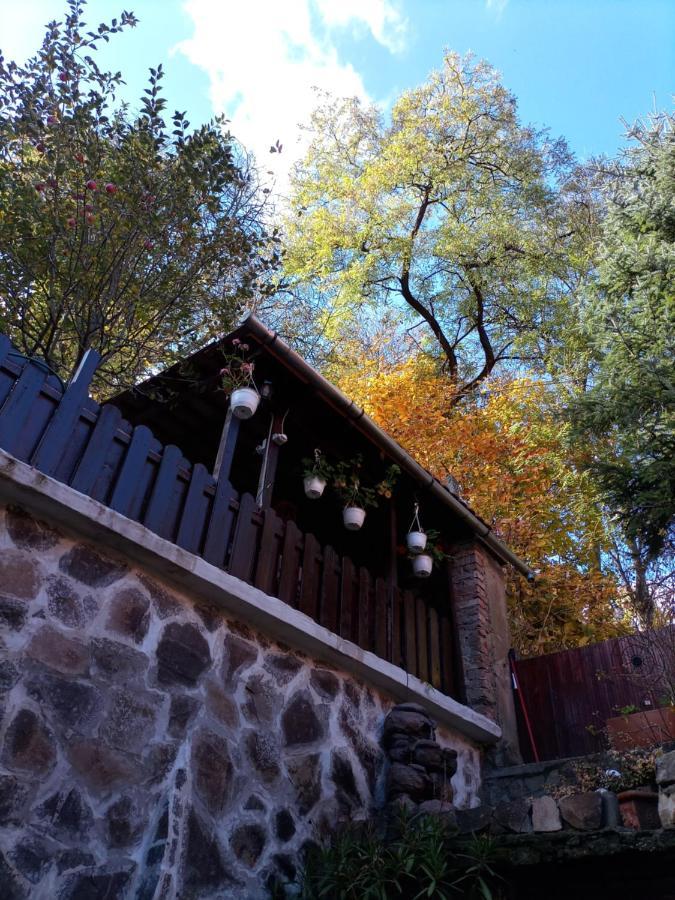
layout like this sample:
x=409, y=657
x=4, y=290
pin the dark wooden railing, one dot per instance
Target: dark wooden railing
x=67, y=435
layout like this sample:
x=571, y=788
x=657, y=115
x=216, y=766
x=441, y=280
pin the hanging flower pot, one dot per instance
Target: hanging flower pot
x=353, y=517
x=416, y=541
x=422, y=565
x=314, y=486
x=244, y=402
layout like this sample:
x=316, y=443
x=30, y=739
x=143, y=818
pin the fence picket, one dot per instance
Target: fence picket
x=127, y=480
x=193, y=518
x=381, y=619
x=311, y=577
x=268, y=558
x=409, y=625
x=347, y=599
x=18, y=407
x=329, y=615
x=364, y=610
x=245, y=542
x=156, y=518
x=422, y=640
x=220, y=523
x=290, y=564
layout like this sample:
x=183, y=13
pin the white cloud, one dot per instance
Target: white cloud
x=264, y=57
x=498, y=6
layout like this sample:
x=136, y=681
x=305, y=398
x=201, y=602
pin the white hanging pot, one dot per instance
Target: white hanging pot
x=353, y=517
x=422, y=565
x=244, y=402
x=416, y=541
x=314, y=486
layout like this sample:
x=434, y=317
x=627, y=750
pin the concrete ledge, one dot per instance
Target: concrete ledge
x=91, y=520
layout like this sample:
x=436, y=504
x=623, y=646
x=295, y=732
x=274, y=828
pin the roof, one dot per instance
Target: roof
x=278, y=349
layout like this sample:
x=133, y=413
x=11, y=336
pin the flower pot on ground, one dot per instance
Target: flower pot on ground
x=314, y=486
x=353, y=517
x=642, y=729
x=244, y=402
x=423, y=565
x=639, y=809
x=416, y=541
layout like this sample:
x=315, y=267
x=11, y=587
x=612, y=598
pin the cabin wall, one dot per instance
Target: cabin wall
x=150, y=746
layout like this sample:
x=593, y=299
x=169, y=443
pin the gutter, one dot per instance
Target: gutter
x=272, y=341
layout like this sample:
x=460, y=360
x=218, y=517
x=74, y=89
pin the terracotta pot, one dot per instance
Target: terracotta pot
x=639, y=809
x=642, y=729
x=416, y=541
x=422, y=565
x=314, y=487
x=353, y=517
x=244, y=402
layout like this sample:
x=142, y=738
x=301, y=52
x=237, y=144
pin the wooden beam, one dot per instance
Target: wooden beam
x=226, y=447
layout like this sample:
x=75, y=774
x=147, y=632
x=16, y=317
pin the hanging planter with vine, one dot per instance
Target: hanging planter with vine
x=416, y=538
x=423, y=563
x=237, y=380
x=356, y=496
x=317, y=473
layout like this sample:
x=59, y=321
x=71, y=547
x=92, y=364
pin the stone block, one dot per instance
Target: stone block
x=284, y=825
x=19, y=575
x=182, y=655
x=13, y=613
x=440, y=808
x=29, y=745
x=325, y=683
x=182, y=711
x=13, y=886
x=239, y=655
x=514, y=815
x=221, y=706
x=545, y=814
x=63, y=602
x=13, y=796
x=115, y=660
x=31, y=857
x=212, y=770
x=408, y=722
x=130, y=723
x=66, y=816
x=84, y=564
x=262, y=701
x=28, y=533
x=9, y=675
x=474, y=820
x=410, y=780
x=299, y=721
x=123, y=823
x=71, y=705
x=129, y=614
x=204, y=866
x=665, y=769
x=57, y=651
x=107, y=882
x=666, y=807
x=264, y=752
x=304, y=773
x=165, y=604
x=582, y=811
x=342, y=776
x=101, y=767
x=248, y=842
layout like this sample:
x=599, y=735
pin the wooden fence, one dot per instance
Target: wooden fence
x=570, y=695
x=67, y=435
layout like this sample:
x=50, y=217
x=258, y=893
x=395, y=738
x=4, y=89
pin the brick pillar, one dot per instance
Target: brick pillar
x=479, y=610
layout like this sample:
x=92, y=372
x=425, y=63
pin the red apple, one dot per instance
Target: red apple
x=40, y=187
x=148, y=244
x=91, y=185
x=51, y=120
x=63, y=76
x=110, y=188
x=90, y=218
x=71, y=223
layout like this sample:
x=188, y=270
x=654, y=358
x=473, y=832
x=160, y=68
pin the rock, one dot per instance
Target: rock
x=442, y=786
x=100, y=767
x=73, y=859
x=68, y=815
x=282, y=666
x=284, y=826
x=264, y=753
x=665, y=769
x=29, y=533
x=74, y=705
x=286, y=866
x=158, y=760
x=666, y=806
x=124, y=825
x=212, y=770
x=129, y=614
x=204, y=866
x=221, y=706
x=13, y=886
x=263, y=701
x=407, y=722
x=411, y=780
x=430, y=755
x=165, y=604
x=439, y=808
x=13, y=795
x=58, y=652
x=130, y=723
x=31, y=858
x=299, y=721
x=325, y=683
x=9, y=675
x=239, y=654
x=87, y=566
x=182, y=711
x=107, y=882
x=514, y=815
x=611, y=817
x=114, y=660
x=368, y=753
x=248, y=842
x=304, y=773
x=19, y=575
x=63, y=602
x=13, y=613
x=401, y=748
x=254, y=804
x=582, y=811
x=182, y=655
x=545, y=814
x=342, y=776
x=29, y=744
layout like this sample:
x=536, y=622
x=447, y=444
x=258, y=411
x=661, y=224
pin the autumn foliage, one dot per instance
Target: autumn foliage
x=506, y=447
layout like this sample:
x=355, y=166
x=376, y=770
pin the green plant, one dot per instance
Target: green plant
x=619, y=771
x=433, y=547
x=351, y=490
x=238, y=370
x=419, y=860
x=628, y=710
x=317, y=467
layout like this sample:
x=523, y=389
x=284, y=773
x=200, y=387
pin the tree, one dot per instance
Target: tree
x=627, y=415
x=127, y=233
x=507, y=447
x=451, y=213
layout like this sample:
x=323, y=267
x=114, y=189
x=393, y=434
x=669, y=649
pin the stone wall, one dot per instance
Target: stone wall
x=150, y=747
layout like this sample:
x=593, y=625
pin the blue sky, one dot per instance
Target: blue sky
x=576, y=66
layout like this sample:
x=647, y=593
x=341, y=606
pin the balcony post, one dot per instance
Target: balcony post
x=226, y=447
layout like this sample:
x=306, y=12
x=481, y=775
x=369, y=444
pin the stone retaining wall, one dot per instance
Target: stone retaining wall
x=149, y=747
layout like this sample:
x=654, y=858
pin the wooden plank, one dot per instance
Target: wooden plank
x=409, y=636
x=129, y=475
x=268, y=558
x=347, y=598
x=244, y=545
x=329, y=614
x=381, y=619
x=18, y=408
x=94, y=455
x=364, y=610
x=447, y=644
x=422, y=639
x=291, y=555
x=311, y=578
x=396, y=649
x=193, y=518
x=435, y=677
x=226, y=447
x=156, y=518
x=220, y=524
x=57, y=435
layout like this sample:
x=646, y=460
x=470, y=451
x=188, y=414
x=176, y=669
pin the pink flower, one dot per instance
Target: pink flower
x=244, y=347
x=247, y=368
x=225, y=371
x=236, y=342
